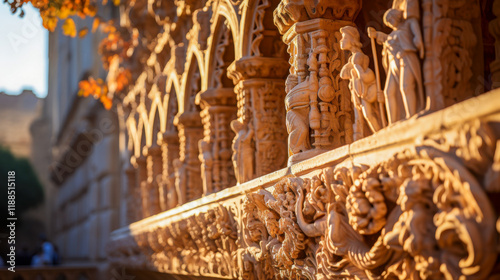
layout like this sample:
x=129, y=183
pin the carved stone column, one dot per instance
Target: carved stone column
x=142, y=179
x=319, y=111
x=132, y=198
x=155, y=166
x=495, y=31
x=453, y=61
x=260, y=142
x=218, y=110
x=170, y=152
x=188, y=182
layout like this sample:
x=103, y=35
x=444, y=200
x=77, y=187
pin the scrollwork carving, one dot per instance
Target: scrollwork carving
x=422, y=214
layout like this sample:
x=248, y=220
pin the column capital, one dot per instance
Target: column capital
x=290, y=12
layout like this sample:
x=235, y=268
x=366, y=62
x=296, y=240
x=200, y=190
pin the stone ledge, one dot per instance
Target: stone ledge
x=152, y=237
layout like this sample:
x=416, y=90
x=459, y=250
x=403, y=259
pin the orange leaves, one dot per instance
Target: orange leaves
x=51, y=11
x=115, y=47
x=69, y=28
x=83, y=32
x=123, y=79
x=96, y=88
x=95, y=24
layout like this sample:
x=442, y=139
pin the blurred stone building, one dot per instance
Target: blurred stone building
x=278, y=140
x=16, y=114
x=76, y=151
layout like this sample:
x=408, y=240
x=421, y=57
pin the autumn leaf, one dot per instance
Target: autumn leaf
x=50, y=23
x=116, y=2
x=106, y=101
x=83, y=32
x=95, y=24
x=69, y=28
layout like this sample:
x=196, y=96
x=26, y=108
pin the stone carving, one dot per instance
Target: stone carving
x=243, y=151
x=422, y=211
x=367, y=100
x=403, y=47
x=494, y=28
x=318, y=103
x=290, y=12
x=259, y=94
x=218, y=106
x=453, y=59
x=421, y=214
x=203, y=244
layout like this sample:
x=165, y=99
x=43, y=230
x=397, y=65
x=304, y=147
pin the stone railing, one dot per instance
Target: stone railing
x=416, y=200
x=50, y=273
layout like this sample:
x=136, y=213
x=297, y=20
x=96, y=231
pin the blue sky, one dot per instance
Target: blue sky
x=23, y=52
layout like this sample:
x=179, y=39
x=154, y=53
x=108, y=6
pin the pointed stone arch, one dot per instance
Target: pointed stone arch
x=218, y=104
x=188, y=181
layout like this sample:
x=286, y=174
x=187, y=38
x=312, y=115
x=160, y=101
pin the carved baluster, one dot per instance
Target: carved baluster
x=319, y=110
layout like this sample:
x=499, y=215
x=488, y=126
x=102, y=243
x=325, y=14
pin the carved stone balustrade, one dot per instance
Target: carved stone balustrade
x=418, y=200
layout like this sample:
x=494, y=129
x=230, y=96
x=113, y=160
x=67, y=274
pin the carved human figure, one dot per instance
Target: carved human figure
x=362, y=81
x=402, y=48
x=180, y=180
x=243, y=150
x=172, y=196
x=207, y=164
x=297, y=111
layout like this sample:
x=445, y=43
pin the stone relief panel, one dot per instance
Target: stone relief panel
x=422, y=214
x=318, y=103
x=246, y=111
x=203, y=244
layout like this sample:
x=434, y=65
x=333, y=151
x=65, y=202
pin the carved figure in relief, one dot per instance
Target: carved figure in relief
x=243, y=151
x=180, y=181
x=207, y=164
x=298, y=110
x=362, y=83
x=402, y=49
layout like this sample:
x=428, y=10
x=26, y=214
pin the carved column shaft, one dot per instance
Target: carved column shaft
x=154, y=166
x=319, y=109
x=188, y=173
x=170, y=152
x=132, y=199
x=260, y=142
x=218, y=110
x=495, y=31
x=142, y=183
x=453, y=62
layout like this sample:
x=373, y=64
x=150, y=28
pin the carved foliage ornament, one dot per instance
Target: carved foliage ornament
x=422, y=214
